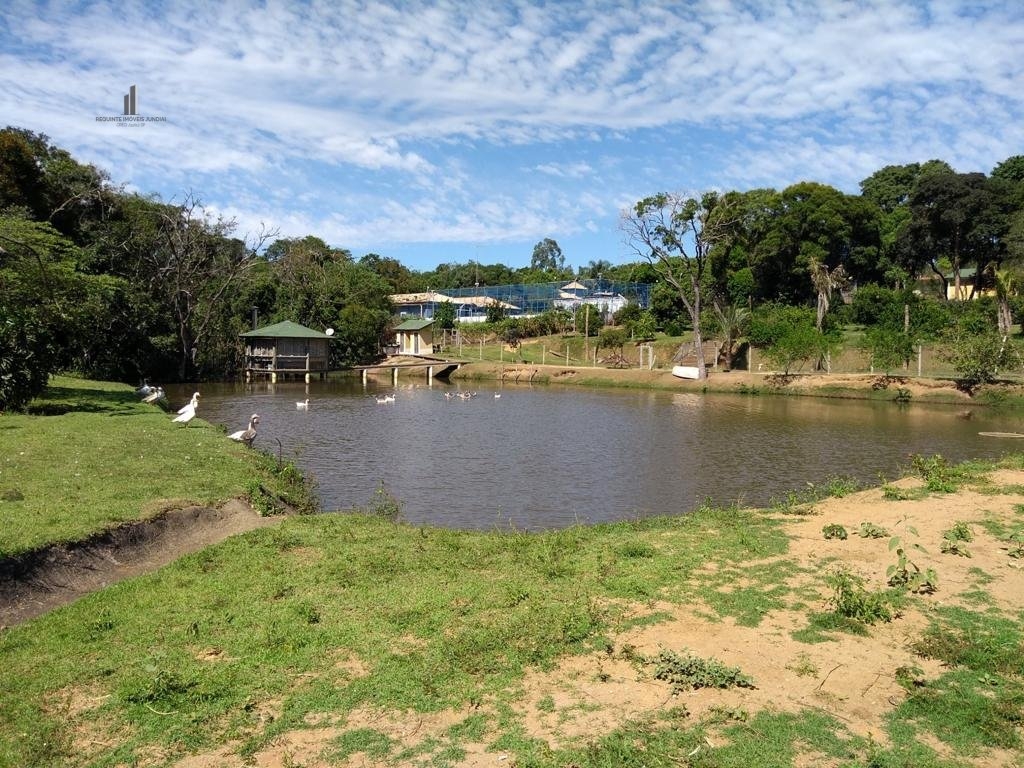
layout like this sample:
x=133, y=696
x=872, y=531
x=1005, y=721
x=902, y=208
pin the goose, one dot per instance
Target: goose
x=154, y=395
x=187, y=412
x=247, y=435
x=381, y=399
x=449, y=395
x=193, y=404
x=303, y=405
x=144, y=390
x=497, y=395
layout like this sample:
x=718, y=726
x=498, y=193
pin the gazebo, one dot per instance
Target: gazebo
x=285, y=349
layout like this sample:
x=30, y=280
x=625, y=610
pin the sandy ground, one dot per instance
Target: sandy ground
x=852, y=678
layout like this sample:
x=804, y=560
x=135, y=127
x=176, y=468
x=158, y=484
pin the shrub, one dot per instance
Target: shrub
x=834, y=531
x=852, y=600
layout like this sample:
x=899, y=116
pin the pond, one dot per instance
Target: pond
x=539, y=457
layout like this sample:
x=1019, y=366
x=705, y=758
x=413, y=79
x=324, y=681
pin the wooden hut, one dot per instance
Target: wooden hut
x=285, y=349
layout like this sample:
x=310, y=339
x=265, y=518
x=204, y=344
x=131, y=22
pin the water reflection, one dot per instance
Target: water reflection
x=548, y=456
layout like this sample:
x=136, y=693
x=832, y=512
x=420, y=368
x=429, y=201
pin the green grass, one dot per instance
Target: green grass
x=107, y=458
x=439, y=618
x=323, y=615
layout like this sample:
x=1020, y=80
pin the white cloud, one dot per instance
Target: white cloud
x=405, y=109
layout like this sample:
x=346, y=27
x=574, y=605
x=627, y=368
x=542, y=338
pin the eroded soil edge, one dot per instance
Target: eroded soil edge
x=40, y=581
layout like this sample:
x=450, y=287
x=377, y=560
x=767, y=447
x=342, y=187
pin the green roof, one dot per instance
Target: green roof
x=286, y=330
x=413, y=325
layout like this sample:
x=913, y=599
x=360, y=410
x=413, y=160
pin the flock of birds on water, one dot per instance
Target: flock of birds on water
x=187, y=412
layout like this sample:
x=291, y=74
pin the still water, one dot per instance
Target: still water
x=541, y=457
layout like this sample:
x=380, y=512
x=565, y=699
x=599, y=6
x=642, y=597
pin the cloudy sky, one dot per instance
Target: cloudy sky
x=450, y=131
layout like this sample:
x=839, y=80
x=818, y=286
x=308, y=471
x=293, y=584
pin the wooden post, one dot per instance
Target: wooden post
x=364, y=378
x=586, y=331
x=430, y=374
x=394, y=376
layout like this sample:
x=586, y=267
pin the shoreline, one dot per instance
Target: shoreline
x=855, y=386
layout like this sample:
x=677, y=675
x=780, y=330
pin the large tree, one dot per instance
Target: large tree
x=955, y=218
x=193, y=270
x=675, y=235
x=547, y=256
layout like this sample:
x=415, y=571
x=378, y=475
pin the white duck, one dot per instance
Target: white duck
x=303, y=405
x=247, y=435
x=188, y=412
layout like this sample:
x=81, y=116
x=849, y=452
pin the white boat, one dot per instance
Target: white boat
x=686, y=371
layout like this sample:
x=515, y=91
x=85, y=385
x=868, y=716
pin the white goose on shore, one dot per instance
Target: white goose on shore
x=247, y=435
x=188, y=412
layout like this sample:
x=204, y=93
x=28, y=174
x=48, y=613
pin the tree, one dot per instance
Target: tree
x=596, y=269
x=495, y=311
x=825, y=282
x=788, y=335
x=50, y=311
x=676, y=235
x=1007, y=284
x=547, y=256
x=444, y=315
x=192, y=271
x=977, y=358
x=815, y=223
x=732, y=321
x=952, y=216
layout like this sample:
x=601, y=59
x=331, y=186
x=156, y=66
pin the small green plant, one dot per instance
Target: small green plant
x=837, y=487
x=834, y=531
x=385, y=505
x=262, y=500
x=802, y=666
x=871, y=531
x=910, y=677
x=852, y=600
x=686, y=672
x=903, y=395
x=938, y=476
x=1015, y=544
x=905, y=572
x=955, y=547
x=953, y=540
x=960, y=531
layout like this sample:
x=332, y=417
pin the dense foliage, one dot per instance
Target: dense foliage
x=124, y=286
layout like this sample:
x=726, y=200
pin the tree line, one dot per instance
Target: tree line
x=123, y=286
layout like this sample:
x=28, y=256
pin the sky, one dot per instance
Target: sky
x=438, y=132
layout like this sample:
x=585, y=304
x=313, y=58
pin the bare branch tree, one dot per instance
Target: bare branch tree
x=195, y=265
x=675, y=235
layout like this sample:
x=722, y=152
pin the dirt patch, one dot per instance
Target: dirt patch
x=39, y=581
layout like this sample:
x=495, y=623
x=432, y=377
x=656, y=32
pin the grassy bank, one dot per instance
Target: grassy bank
x=727, y=637
x=89, y=455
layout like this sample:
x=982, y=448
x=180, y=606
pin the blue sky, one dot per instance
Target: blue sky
x=448, y=131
